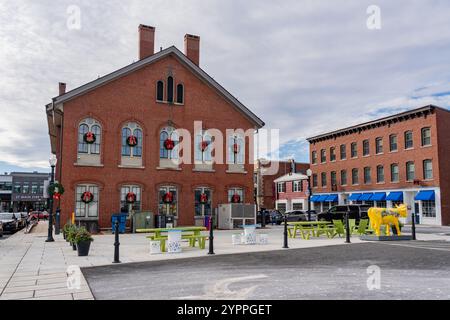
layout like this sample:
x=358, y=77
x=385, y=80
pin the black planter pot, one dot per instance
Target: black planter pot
x=74, y=246
x=83, y=248
x=64, y=236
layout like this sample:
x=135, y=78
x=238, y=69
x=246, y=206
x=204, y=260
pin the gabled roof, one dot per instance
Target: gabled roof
x=149, y=60
x=291, y=177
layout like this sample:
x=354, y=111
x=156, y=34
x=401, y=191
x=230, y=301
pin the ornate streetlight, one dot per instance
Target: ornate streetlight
x=52, y=161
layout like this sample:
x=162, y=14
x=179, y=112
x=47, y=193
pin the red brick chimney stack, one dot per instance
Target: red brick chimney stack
x=62, y=88
x=146, y=41
x=192, y=48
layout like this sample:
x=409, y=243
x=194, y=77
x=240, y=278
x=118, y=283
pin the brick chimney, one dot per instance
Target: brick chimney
x=62, y=88
x=146, y=41
x=192, y=48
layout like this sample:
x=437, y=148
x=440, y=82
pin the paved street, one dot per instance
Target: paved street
x=408, y=271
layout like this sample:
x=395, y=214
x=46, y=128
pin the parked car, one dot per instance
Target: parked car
x=9, y=221
x=356, y=211
x=1, y=229
x=265, y=213
x=21, y=218
x=300, y=215
x=276, y=217
x=39, y=215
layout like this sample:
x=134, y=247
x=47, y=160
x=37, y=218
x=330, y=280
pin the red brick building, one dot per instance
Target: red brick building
x=291, y=192
x=150, y=133
x=403, y=158
x=266, y=172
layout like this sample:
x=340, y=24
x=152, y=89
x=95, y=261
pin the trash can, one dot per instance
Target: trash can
x=170, y=221
x=122, y=218
x=160, y=221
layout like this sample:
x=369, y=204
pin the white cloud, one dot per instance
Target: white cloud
x=304, y=67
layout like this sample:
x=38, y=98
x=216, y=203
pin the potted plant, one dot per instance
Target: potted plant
x=83, y=241
x=71, y=233
x=66, y=230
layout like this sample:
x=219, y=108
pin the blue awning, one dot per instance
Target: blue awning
x=333, y=198
x=395, y=196
x=366, y=197
x=323, y=198
x=355, y=196
x=378, y=196
x=427, y=195
x=314, y=198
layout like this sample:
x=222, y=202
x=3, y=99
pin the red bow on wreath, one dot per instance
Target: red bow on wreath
x=203, y=198
x=131, y=197
x=57, y=196
x=169, y=144
x=236, y=198
x=204, y=145
x=236, y=148
x=168, y=198
x=89, y=137
x=132, y=141
x=87, y=197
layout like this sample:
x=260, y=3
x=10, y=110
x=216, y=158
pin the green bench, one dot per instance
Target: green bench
x=192, y=238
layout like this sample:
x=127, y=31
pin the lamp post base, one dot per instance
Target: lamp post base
x=50, y=240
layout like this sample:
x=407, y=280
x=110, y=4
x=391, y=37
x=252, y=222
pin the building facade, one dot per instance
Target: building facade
x=291, y=192
x=150, y=136
x=266, y=172
x=398, y=159
x=5, y=192
x=28, y=191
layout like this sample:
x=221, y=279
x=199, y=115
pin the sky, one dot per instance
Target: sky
x=304, y=67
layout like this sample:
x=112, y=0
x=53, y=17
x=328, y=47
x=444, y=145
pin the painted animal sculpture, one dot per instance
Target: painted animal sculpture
x=383, y=216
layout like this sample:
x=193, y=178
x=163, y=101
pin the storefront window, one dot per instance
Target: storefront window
x=168, y=201
x=203, y=209
x=86, y=210
x=429, y=209
x=124, y=205
x=381, y=204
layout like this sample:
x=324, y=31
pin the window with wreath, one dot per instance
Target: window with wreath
x=203, y=150
x=236, y=195
x=132, y=141
x=86, y=202
x=168, y=147
x=236, y=153
x=168, y=201
x=89, y=141
x=130, y=198
x=203, y=201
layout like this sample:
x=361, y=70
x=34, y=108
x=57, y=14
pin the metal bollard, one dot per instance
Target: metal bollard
x=116, y=243
x=413, y=226
x=347, y=228
x=285, y=244
x=211, y=236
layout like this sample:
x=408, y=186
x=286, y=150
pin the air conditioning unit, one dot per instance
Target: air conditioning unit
x=235, y=215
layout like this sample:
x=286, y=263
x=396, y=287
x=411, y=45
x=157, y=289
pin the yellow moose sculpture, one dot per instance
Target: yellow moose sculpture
x=383, y=216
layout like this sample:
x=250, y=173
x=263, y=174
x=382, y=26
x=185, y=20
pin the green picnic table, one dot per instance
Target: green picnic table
x=193, y=234
x=311, y=228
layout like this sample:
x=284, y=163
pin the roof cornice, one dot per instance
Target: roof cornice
x=375, y=123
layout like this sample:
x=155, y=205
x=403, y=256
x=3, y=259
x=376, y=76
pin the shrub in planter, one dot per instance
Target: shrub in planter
x=83, y=241
x=71, y=233
x=66, y=230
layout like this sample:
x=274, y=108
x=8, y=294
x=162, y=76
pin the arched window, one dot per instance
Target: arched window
x=89, y=145
x=167, y=136
x=170, y=89
x=168, y=200
x=84, y=209
x=203, y=147
x=124, y=204
x=180, y=94
x=160, y=91
x=236, y=149
x=236, y=195
x=129, y=131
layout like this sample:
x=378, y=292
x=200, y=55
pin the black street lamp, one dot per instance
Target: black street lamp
x=52, y=162
x=309, y=174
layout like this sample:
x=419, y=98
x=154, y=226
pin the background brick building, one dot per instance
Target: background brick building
x=403, y=158
x=150, y=100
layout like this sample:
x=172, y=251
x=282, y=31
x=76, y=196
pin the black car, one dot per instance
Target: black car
x=356, y=211
x=9, y=221
x=266, y=214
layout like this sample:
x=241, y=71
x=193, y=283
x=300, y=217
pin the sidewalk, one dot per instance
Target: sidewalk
x=30, y=268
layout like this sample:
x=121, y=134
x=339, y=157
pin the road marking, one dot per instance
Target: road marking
x=417, y=246
x=220, y=290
